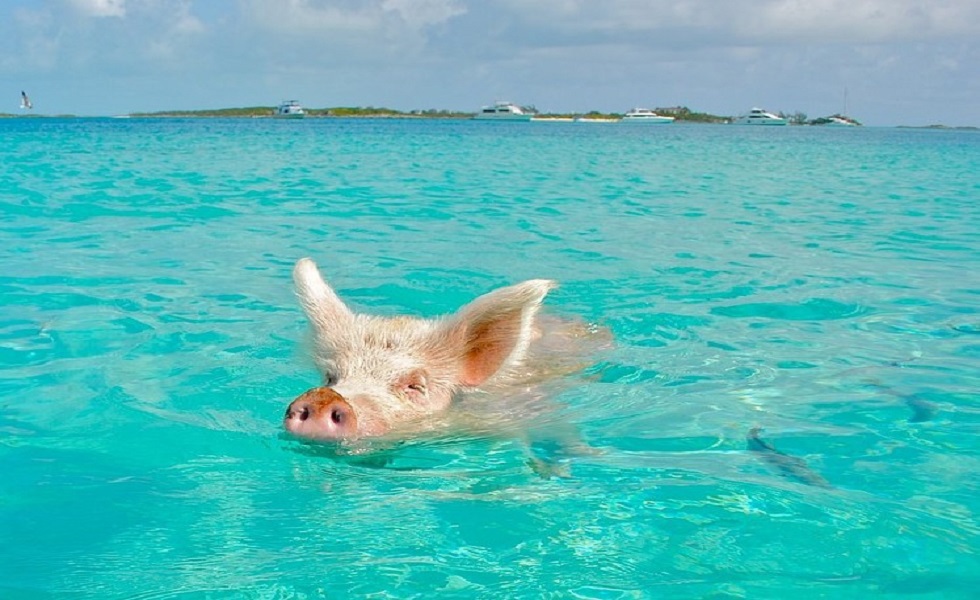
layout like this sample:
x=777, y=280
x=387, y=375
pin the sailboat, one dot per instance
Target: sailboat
x=25, y=102
x=840, y=120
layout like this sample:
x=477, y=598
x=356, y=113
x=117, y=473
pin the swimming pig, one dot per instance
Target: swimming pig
x=380, y=373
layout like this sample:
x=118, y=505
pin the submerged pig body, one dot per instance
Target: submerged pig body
x=382, y=373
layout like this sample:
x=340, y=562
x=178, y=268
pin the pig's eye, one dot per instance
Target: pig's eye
x=413, y=385
x=329, y=379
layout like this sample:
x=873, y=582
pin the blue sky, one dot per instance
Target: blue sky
x=902, y=62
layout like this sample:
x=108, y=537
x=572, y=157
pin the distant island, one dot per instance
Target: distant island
x=680, y=113
x=340, y=111
x=938, y=126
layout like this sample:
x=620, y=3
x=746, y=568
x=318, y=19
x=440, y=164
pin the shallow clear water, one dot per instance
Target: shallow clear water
x=821, y=284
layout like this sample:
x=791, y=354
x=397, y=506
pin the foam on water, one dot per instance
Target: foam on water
x=820, y=284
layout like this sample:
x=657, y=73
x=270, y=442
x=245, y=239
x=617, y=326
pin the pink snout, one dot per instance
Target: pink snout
x=321, y=414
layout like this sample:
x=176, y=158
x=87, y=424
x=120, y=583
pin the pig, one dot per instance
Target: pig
x=382, y=375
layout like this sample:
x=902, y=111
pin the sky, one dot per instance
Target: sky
x=888, y=62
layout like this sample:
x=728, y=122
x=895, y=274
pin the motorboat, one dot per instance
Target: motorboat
x=503, y=111
x=289, y=109
x=645, y=115
x=758, y=116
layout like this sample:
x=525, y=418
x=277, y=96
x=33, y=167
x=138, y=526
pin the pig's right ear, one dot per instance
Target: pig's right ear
x=491, y=334
x=325, y=310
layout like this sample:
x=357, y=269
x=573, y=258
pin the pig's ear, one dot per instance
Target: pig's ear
x=492, y=333
x=322, y=306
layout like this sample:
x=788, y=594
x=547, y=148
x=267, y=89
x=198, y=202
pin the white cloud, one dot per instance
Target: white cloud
x=175, y=16
x=338, y=16
x=37, y=46
x=184, y=22
x=424, y=13
x=762, y=21
x=112, y=35
x=357, y=30
x=101, y=8
x=176, y=28
x=861, y=21
x=308, y=16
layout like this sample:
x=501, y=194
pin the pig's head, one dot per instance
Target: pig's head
x=379, y=373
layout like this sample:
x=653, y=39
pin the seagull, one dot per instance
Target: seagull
x=25, y=102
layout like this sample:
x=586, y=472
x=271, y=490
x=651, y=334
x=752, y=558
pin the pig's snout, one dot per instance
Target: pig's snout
x=321, y=414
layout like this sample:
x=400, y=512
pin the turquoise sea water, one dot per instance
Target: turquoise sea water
x=821, y=284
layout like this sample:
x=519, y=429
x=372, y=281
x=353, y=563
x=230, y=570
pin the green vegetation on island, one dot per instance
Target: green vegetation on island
x=938, y=126
x=340, y=111
x=249, y=111
x=683, y=113
x=370, y=111
x=680, y=114
x=33, y=116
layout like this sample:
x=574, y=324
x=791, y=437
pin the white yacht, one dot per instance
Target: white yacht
x=645, y=115
x=503, y=111
x=757, y=116
x=289, y=109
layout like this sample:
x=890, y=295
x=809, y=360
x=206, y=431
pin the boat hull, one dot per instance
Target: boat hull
x=838, y=123
x=502, y=118
x=760, y=122
x=647, y=120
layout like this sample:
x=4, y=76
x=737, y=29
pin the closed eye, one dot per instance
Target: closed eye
x=414, y=385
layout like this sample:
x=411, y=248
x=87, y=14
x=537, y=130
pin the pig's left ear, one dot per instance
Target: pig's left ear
x=492, y=333
x=325, y=310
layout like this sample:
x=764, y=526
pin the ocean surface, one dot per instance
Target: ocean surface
x=791, y=407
